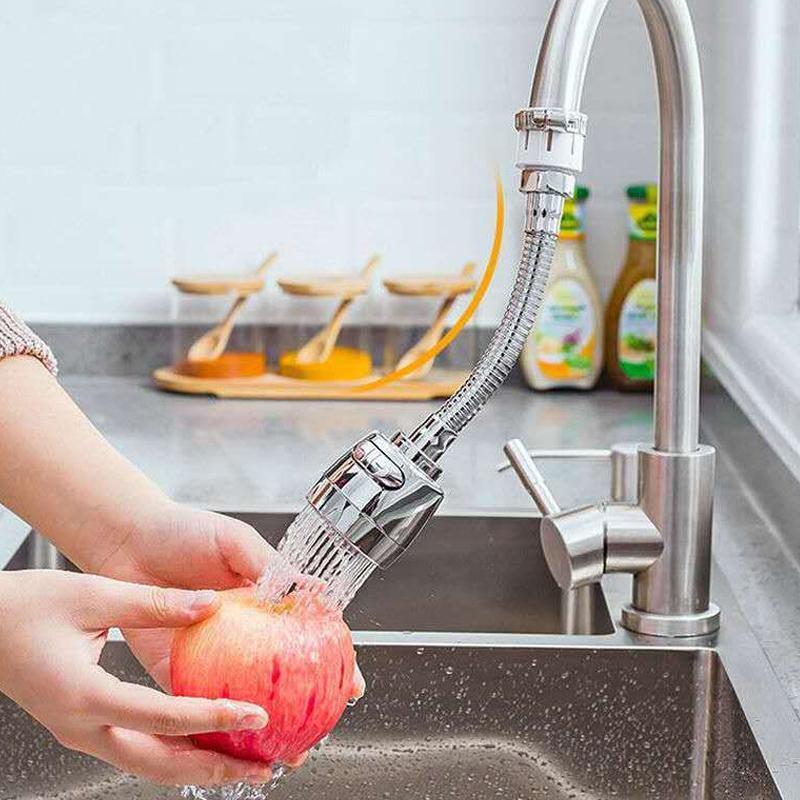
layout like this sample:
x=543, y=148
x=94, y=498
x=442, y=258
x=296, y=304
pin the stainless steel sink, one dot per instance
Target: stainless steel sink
x=476, y=722
x=465, y=574
x=475, y=692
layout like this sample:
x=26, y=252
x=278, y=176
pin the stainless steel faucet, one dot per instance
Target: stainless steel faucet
x=663, y=537
x=370, y=505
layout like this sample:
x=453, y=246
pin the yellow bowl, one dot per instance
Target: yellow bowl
x=344, y=364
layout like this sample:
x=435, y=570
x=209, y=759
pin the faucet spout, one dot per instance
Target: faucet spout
x=558, y=83
x=672, y=516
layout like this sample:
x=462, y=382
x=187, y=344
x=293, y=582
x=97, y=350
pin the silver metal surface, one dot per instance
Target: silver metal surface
x=581, y=545
x=558, y=83
x=550, y=119
x=675, y=494
x=540, y=723
x=375, y=497
x=490, y=715
x=625, y=472
x=528, y=473
x=43, y=554
x=632, y=542
x=573, y=543
x=543, y=212
x=550, y=181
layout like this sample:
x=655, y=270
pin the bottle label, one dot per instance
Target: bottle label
x=643, y=221
x=637, y=332
x=572, y=220
x=565, y=333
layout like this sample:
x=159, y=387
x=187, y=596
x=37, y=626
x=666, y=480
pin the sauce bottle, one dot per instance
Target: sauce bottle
x=565, y=347
x=631, y=311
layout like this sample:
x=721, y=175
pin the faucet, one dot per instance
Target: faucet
x=369, y=506
x=663, y=535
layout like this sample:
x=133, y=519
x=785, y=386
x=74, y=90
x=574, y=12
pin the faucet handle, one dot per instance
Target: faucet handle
x=520, y=459
x=582, y=544
x=623, y=456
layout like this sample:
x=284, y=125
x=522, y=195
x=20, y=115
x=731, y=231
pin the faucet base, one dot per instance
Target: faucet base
x=671, y=625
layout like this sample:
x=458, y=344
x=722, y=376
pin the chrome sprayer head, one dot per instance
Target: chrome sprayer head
x=378, y=496
x=362, y=514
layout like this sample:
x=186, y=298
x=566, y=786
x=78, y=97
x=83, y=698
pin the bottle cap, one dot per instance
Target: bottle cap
x=642, y=192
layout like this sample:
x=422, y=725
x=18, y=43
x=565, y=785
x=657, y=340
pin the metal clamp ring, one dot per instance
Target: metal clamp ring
x=550, y=119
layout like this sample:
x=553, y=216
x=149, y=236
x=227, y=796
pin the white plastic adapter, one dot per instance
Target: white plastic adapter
x=550, y=149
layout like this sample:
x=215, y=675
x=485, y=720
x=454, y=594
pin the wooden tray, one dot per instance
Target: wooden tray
x=439, y=383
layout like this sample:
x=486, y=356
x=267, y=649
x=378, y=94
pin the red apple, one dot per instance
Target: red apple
x=294, y=658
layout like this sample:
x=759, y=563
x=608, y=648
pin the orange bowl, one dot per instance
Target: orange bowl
x=229, y=365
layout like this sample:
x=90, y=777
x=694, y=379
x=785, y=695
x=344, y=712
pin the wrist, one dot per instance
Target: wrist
x=108, y=539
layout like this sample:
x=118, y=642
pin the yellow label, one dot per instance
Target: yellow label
x=643, y=220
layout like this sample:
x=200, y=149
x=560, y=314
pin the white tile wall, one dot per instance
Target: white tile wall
x=142, y=138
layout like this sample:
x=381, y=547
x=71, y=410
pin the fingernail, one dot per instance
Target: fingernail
x=252, y=719
x=202, y=600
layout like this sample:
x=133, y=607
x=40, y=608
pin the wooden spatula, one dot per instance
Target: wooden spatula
x=434, y=332
x=212, y=344
x=319, y=347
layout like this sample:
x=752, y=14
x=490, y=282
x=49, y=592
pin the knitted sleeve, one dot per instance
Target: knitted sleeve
x=17, y=339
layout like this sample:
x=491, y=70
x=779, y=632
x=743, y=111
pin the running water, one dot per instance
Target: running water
x=316, y=557
x=234, y=791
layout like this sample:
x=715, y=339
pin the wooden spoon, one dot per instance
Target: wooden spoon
x=433, y=334
x=319, y=347
x=212, y=344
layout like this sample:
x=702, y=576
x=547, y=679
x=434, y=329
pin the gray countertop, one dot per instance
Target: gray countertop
x=263, y=456
x=259, y=455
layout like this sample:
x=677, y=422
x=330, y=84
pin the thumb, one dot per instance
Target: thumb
x=117, y=604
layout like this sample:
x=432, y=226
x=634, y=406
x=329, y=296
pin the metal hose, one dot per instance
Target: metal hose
x=438, y=431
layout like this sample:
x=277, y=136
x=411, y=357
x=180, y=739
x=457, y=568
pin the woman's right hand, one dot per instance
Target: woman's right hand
x=53, y=626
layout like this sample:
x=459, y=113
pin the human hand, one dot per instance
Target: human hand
x=173, y=545
x=167, y=544
x=52, y=629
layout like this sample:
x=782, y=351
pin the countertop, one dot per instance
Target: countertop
x=240, y=455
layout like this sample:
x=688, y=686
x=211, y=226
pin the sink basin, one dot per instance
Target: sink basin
x=480, y=722
x=464, y=573
x=476, y=692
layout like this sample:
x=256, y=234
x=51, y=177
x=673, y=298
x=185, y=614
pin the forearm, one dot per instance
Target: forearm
x=58, y=473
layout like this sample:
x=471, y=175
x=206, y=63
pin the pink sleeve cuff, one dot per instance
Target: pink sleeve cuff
x=17, y=339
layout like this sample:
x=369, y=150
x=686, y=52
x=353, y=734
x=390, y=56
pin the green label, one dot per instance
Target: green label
x=565, y=333
x=636, y=344
x=643, y=220
x=572, y=220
